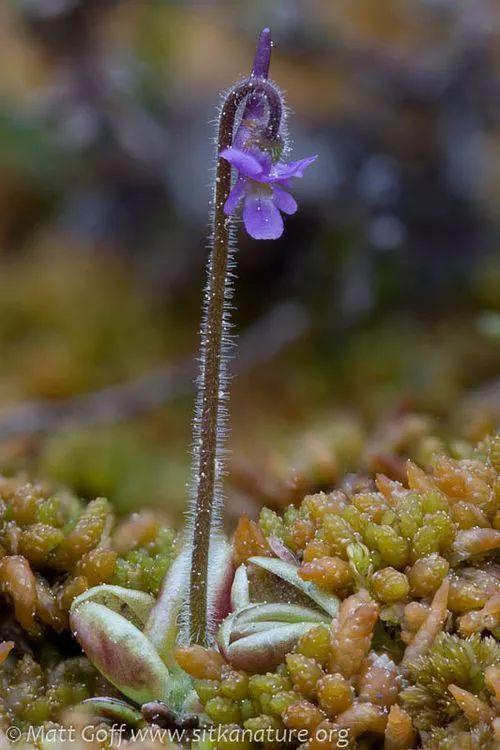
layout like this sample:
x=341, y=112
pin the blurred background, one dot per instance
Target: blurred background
x=369, y=332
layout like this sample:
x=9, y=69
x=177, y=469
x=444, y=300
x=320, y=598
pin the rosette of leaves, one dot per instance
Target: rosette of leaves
x=134, y=641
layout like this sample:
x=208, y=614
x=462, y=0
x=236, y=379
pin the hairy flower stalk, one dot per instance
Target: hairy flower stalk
x=134, y=640
x=250, y=139
x=215, y=342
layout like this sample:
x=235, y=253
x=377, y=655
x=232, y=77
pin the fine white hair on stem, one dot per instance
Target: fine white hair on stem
x=216, y=347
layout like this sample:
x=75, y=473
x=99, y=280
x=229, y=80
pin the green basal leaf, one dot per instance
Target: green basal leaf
x=240, y=590
x=114, y=710
x=258, y=636
x=289, y=575
x=120, y=652
x=134, y=606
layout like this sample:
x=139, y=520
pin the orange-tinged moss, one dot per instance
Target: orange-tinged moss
x=248, y=541
x=403, y=659
x=305, y=674
x=399, y=732
x=18, y=582
x=351, y=634
x=201, y=663
x=329, y=573
x=317, y=548
x=335, y=694
x=97, y=566
x=302, y=715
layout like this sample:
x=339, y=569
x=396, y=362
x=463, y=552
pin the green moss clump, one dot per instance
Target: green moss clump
x=54, y=546
x=32, y=694
x=451, y=661
x=145, y=567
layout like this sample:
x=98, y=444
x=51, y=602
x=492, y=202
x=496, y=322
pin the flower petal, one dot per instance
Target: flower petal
x=282, y=171
x=284, y=201
x=235, y=196
x=246, y=163
x=262, y=218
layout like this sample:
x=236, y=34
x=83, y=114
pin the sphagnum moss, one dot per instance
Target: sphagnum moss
x=412, y=658
x=54, y=547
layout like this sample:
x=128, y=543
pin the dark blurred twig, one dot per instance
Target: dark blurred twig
x=284, y=324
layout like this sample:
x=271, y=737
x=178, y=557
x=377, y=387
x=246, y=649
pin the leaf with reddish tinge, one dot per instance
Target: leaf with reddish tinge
x=162, y=627
x=120, y=652
x=113, y=710
x=263, y=651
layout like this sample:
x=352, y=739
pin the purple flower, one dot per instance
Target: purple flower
x=261, y=185
x=263, y=180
